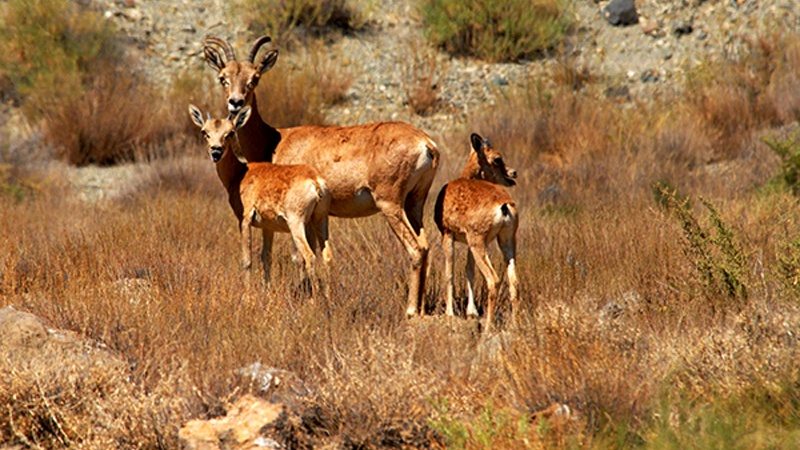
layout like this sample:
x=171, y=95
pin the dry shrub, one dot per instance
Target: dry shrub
x=783, y=89
x=289, y=95
x=752, y=90
x=198, y=88
x=112, y=122
x=71, y=394
x=290, y=21
x=49, y=45
x=421, y=77
x=333, y=76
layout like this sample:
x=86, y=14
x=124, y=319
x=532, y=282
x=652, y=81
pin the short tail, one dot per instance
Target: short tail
x=438, y=209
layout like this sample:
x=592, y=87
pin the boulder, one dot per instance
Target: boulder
x=621, y=13
x=20, y=330
x=240, y=429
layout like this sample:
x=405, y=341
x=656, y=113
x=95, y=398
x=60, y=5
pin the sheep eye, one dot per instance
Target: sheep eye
x=224, y=82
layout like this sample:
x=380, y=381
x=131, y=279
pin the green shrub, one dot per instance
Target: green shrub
x=716, y=254
x=789, y=152
x=286, y=20
x=47, y=47
x=65, y=65
x=506, y=30
x=765, y=415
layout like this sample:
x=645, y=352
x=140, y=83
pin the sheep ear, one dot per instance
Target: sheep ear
x=241, y=119
x=196, y=115
x=477, y=142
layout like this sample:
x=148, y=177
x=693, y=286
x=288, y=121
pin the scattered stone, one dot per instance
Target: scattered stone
x=649, y=76
x=650, y=27
x=500, y=80
x=621, y=13
x=619, y=93
x=682, y=29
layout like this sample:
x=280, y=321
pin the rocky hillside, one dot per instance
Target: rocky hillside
x=636, y=61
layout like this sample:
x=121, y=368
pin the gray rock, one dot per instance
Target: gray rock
x=621, y=13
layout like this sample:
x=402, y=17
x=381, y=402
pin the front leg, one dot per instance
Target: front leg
x=472, y=310
x=447, y=247
x=417, y=248
x=266, y=255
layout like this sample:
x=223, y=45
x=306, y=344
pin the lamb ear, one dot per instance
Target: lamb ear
x=196, y=115
x=477, y=142
x=242, y=117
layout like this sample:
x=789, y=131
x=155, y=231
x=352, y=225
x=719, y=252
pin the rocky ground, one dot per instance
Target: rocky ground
x=642, y=59
x=633, y=62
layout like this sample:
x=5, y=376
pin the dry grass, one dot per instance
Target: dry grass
x=617, y=321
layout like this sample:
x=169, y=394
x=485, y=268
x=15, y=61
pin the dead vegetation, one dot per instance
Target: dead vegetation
x=619, y=319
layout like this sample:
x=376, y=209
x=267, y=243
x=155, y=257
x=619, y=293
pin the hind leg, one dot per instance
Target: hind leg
x=508, y=246
x=298, y=231
x=449, y=284
x=477, y=247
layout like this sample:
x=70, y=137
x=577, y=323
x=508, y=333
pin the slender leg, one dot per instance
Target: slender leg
x=472, y=310
x=298, y=231
x=415, y=202
x=244, y=229
x=447, y=247
x=416, y=246
x=478, y=248
x=508, y=246
x=321, y=231
x=266, y=255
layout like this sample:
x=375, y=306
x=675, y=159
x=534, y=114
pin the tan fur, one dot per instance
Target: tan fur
x=276, y=198
x=385, y=167
x=475, y=210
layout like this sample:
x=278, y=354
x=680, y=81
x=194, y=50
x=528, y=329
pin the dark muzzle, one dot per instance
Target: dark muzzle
x=216, y=153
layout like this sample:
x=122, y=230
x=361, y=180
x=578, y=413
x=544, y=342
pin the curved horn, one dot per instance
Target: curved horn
x=226, y=47
x=256, y=46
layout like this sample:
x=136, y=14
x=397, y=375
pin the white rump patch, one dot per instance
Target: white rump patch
x=424, y=157
x=499, y=217
x=255, y=217
x=312, y=189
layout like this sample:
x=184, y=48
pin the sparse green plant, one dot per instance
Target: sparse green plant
x=48, y=46
x=715, y=252
x=13, y=184
x=760, y=416
x=490, y=428
x=507, y=30
x=788, y=150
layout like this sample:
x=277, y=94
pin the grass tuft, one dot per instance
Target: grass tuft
x=507, y=30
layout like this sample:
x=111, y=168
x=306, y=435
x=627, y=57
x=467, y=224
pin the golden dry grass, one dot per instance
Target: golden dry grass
x=617, y=322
